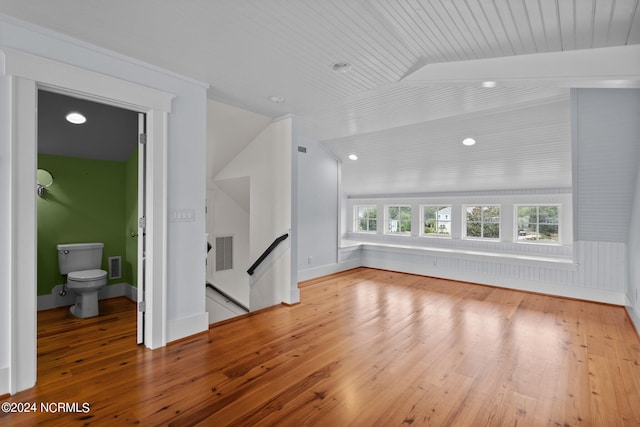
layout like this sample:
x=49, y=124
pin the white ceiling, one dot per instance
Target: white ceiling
x=250, y=50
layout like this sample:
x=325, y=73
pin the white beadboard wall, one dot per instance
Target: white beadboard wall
x=606, y=154
x=601, y=265
x=598, y=273
x=633, y=250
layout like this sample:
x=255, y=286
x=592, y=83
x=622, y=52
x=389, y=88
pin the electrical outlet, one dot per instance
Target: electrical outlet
x=309, y=260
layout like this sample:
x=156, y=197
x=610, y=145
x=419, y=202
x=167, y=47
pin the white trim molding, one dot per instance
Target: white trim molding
x=633, y=314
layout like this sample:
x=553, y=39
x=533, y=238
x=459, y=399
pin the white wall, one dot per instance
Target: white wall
x=229, y=130
x=267, y=160
x=318, y=211
x=186, y=167
x=633, y=246
x=5, y=243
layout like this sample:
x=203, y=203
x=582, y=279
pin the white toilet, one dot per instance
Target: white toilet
x=81, y=263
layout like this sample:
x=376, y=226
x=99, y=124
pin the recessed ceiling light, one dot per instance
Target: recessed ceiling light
x=353, y=157
x=468, y=141
x=76, y=118
x=276, y=99
x=341, y=67
x=489, y=84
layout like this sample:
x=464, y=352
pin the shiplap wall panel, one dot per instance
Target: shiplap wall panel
x=607, y=151
x=599, y=266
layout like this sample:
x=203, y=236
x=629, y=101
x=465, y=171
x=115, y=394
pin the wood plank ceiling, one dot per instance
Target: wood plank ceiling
x=251, y=50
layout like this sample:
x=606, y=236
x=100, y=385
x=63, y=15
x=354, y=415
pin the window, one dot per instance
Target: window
x=366, y=219
x=482, y=222
x=399, y=219
x=436, y=221
x=224, y=253
x=538, y=223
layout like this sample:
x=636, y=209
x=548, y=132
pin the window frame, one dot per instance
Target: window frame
x=422, y=221
x=537, y=241
x=387, y=219
x=482, y=207
x=356, y=219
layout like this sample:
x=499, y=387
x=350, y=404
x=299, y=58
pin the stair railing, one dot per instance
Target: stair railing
x=266, y=253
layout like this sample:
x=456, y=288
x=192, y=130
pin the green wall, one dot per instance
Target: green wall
x=89, y=201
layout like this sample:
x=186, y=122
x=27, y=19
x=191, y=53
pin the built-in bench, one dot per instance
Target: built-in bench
x=557, y=262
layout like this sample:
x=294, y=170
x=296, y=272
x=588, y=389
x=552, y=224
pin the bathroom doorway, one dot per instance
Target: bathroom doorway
x=96, y=194
x=27, y=73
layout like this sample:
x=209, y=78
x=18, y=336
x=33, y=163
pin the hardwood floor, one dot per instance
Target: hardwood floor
x=364, y=347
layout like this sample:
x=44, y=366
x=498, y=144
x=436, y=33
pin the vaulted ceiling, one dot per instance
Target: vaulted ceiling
x=414, y=88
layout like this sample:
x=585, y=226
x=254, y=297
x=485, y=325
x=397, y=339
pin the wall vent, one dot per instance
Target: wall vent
x=115, y=267
x=224, y=253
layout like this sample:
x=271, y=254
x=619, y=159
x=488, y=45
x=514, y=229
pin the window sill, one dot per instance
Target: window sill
x=564, y=263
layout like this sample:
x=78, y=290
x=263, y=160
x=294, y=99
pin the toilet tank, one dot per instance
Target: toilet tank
x=79, y=256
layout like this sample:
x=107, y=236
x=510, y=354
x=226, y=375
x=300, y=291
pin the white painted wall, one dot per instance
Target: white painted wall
x=633, y=286
x=5, y=230
x=318, y=211
x=267, y=160
x=633, y=246
x=229, y=130
x=186, y=168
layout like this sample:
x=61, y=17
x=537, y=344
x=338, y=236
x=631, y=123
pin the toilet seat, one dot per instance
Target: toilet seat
x=86, y=275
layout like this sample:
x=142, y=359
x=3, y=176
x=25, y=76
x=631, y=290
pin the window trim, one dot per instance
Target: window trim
x=436, y=236
x=482, y=206
x=536, y=242
x=356, y=218
x=386, y=219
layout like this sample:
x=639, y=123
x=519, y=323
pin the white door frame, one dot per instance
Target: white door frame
x=141, y=147
x=27, y=74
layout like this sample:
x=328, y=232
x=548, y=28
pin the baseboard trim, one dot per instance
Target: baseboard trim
x=325, y=270
x=187, y=326
x=633, y=315
x=5, y=382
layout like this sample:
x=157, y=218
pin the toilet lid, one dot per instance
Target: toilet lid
x=87, y=275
